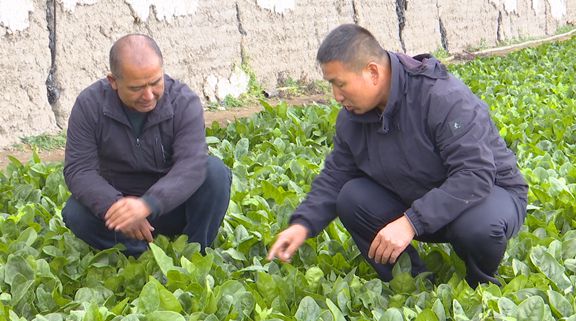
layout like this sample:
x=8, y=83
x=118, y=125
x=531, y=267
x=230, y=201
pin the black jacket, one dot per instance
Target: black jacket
x=104, y=161
x=435, y=146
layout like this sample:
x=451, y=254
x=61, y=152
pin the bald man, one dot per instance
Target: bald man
x=136, y=159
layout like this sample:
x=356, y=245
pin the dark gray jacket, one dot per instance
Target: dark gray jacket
x=104, y=161
x=435, y=146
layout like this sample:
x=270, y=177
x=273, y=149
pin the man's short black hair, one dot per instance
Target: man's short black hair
x=132, y=41
x=351, y=45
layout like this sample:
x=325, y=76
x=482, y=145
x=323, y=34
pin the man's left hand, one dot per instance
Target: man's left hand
x=391, y=241
x=127, y=214
x=141, y=231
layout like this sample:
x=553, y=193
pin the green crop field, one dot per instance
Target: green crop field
x=47, y=274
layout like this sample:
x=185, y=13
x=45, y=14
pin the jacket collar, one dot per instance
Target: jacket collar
x=113, y=106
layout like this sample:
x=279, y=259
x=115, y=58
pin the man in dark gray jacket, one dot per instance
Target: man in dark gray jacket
x=136, y=158
x=416, y=156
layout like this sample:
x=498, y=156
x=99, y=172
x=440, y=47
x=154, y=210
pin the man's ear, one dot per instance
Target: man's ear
x=112, y=80
x=374, y=71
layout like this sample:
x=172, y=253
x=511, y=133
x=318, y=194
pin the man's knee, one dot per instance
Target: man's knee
x=491, y=223
x=483, y=234
x=77, y=217
x=218, y=175
x=348, y=201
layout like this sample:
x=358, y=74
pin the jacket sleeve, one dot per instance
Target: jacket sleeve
x=81, y=166
x=190, y=156
x=319, y=207
x=460, y=126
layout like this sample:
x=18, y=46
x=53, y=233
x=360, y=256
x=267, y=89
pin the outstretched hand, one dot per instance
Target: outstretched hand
x=128, y=215
x=391, y=241
x=288, y=242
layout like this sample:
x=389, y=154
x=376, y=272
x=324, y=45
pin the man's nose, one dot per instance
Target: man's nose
x=337, y=94
x=148, y=93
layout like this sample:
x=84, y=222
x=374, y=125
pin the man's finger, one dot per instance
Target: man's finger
x=147, y=234
x=114, y=216
x=280, y=243
x=386, y=253
x=393, y=257
x=289, y=251
x=373, y=246
x=113, y=209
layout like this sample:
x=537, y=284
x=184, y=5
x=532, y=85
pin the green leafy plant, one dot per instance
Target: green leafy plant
x=46, y=273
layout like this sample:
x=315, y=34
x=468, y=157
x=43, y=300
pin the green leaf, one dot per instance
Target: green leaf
x=29, y=236
x=120, y=306
x=427, y=315
x=308, y=310
x=164, y=261
x=532, y=309
x=212, y=140
x=336, y=313
x=266, y=285
x=458, y=311
x=241, y=149
x=164, y=316
x=149, y=299
x=560, y=306
x=520, y=268
x=21, y=287
x=569, y=249
x=392, y=314
x=403, y=265
x=438, y=309
x=313, y=276
x=17, y=265
x=507, y=307
x=403, y=283
x=548, y=265
x=570, y=264
x=93, y=313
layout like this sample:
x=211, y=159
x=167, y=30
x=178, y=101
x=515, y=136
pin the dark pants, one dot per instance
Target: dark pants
x=479, y=236
x=199, y=217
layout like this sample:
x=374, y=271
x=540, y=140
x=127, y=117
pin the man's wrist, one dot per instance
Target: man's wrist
x=411, y=225
x=153, y=206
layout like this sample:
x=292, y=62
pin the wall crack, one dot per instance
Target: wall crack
x=443, y=36
x=242, y=31
x=355, y=13
x=401, y=6
x=53, y=92
x=499, y=36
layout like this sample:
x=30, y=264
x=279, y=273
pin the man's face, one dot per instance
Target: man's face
x=140, y=87
x=355, y=90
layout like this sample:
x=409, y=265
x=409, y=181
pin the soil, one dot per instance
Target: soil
x=24, y=152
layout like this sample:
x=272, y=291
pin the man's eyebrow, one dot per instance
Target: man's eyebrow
x=156, y=81
x=151, y=84
x=136, y=87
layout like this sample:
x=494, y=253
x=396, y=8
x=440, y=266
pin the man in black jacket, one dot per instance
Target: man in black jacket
x=136, y=158
x=416, y=156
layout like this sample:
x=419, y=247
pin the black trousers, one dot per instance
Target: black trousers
x=479, y=236
x=199, y=217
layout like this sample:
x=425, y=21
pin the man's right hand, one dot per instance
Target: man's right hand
x=288, y=242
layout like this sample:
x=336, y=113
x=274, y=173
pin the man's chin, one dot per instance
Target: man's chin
x=146, y=108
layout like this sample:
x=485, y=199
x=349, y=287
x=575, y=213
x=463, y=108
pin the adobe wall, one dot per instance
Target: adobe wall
x=51, y=49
